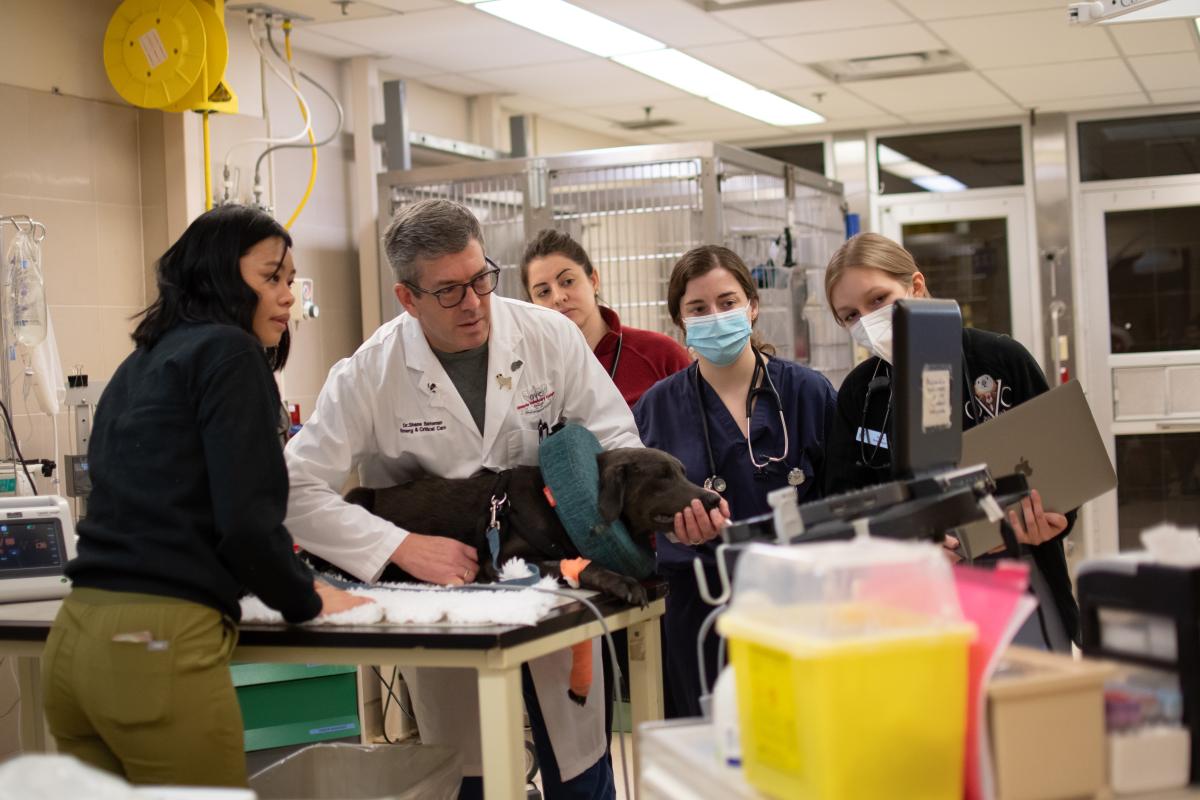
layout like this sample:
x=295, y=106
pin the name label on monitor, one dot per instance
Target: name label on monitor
x=936, y=406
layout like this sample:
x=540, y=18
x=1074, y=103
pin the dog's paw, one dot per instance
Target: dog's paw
x=621, y=586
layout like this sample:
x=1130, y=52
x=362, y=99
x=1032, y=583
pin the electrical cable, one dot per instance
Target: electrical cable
x=312, y=172
x=12, y=437
x=299, y=97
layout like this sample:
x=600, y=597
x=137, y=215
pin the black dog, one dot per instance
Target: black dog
x=641, y=486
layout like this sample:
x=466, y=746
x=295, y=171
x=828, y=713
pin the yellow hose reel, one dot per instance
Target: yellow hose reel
x=170, y=55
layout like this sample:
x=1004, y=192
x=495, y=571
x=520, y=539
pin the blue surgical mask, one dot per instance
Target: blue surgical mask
x=719, y=338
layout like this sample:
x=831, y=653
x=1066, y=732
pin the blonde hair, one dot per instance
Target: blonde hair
x=870, y=251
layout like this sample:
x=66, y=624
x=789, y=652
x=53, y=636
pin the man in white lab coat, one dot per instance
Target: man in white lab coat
x=457, y=384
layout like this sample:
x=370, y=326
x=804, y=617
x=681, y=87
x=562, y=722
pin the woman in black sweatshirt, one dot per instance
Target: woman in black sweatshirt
x=865, y=276
x=186, y=512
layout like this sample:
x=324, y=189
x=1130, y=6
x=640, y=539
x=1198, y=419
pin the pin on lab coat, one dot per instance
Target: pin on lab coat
x=391, y=411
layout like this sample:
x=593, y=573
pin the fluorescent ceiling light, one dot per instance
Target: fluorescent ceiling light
x=577, y=27
x=571, y=25
x=1150, y=10
x=695, y=77
x=768, y=107
x=940, y=183
x=684, y=72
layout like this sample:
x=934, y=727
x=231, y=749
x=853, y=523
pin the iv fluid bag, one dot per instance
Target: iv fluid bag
x=27, y=297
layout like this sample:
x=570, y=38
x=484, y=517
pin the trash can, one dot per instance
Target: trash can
x=363, y=772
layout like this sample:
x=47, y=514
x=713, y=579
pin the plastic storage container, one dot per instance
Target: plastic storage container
x=851, y=670
x=363, y=772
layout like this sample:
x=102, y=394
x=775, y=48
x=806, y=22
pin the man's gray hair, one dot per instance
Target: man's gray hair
x=426, y=230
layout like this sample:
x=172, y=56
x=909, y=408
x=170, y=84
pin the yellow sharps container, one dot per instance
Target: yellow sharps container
x=851, y=671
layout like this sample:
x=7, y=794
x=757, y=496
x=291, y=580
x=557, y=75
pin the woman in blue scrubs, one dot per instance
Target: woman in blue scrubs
x=742, y=422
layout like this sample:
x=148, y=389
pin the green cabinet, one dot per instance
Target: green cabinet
x=286, y=704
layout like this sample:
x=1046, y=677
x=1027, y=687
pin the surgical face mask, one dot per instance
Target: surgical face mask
x=873, y=332
x=719, y=338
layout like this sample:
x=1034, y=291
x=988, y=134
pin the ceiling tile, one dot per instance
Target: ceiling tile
x=676, y=22
x=577, y=84
x=588, y=122
x=757, y=64
x=729, y=135
x=1034, y=85
x=1171, y=96
x=310, y=41
x=946, y=9
x=1032, y=37
x=832, y=102
x=397, y=67
x=861, y=43
x=459, y=84
x=1144, y=38
x=1109, y=102
x=924, y=93
x=523, y=104
x=980, y=113
x=453, y=40
x=806, y=16
x=317, y=11
x=690, y=113
x=406, y=6
x=1169, y=71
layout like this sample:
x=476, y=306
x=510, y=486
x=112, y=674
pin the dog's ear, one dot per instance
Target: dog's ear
x=612, y=490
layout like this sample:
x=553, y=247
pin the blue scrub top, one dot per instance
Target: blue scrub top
x=668, y=419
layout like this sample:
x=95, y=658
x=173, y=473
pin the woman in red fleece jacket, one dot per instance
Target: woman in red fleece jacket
x=558, y=274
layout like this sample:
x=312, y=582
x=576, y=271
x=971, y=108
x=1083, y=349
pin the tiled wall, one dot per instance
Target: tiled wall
x=74, y=164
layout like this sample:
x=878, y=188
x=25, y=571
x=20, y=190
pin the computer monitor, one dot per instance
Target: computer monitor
x=927, y=378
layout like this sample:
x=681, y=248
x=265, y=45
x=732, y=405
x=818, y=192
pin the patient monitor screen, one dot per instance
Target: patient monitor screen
x=30, y=548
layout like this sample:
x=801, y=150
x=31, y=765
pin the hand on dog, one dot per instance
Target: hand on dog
x=696, y=526
x=436, y=559
x=334, y=600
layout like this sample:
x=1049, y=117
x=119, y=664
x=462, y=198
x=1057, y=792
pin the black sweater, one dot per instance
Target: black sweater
x=1018, y=377
x=189, y=487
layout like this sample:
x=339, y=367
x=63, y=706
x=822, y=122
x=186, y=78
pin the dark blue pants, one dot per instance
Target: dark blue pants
x=686, y=611
x=594, y=783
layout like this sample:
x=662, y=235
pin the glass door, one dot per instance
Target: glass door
x=1141, y=294
x=975, y=251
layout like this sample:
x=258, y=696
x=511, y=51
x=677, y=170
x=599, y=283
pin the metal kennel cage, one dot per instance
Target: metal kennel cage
x=636, y=210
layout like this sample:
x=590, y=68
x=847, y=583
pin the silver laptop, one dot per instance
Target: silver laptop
x=1052, y=439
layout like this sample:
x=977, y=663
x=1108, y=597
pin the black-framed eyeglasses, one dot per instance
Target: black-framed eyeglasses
x=450, y=296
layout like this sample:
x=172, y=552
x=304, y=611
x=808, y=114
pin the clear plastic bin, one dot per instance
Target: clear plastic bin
x=363, y=772
x=851, y=670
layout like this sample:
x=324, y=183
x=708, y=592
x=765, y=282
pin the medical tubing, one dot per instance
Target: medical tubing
x=299, y=96
x=12, y=437
x=612, y=652
x=704, y=628
x=488, y=587
x=312, y=173
x=341, y=114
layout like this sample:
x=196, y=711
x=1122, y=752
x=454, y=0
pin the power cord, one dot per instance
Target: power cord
x=12, y=438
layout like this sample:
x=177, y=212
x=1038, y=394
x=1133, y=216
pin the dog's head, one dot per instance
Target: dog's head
x=645, y=488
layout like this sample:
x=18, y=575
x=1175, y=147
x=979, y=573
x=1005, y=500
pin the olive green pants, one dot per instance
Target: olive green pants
x=139, y=685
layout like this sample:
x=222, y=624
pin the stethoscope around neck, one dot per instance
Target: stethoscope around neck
x=714, y=482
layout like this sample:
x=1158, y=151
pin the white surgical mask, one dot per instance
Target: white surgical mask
x=873, y=332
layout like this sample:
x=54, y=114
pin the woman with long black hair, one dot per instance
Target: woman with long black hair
x=186, y=512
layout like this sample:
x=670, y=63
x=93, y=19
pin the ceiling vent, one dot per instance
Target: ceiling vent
x=899, y=65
